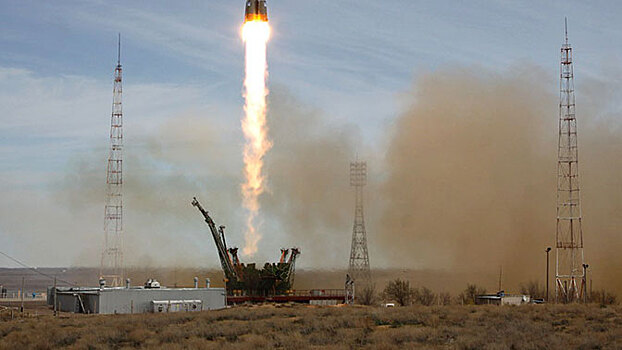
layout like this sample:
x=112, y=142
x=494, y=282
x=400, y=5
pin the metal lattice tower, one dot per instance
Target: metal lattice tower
x=569, y=273
x=111, y=268
x=359, y=257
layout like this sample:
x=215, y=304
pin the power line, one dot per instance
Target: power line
x=36, y=271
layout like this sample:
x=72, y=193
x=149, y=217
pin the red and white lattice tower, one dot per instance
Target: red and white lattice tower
x=570, y=268
x=111, y=268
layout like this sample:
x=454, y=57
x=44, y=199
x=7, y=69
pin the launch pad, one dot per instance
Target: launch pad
x=273, y=283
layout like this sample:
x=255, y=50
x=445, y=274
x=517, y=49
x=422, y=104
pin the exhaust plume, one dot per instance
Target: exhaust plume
x=255, y=35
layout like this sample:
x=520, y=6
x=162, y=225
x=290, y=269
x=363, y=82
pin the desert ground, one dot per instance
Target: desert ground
x=289, y=326
x=346, y=327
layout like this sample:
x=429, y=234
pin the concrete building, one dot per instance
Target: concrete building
x=502, y=299
x=127, y=300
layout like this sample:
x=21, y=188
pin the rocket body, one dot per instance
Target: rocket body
x=256, y=10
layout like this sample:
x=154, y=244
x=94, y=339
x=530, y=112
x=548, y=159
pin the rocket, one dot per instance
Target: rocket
x=256, y=10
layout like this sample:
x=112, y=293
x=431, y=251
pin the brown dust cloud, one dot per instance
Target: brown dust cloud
x=467, y=185
x=471, y=177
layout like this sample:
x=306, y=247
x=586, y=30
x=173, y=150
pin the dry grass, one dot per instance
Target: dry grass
x=301, y=327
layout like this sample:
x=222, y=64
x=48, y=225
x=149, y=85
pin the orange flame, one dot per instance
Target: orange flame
x=255, y=35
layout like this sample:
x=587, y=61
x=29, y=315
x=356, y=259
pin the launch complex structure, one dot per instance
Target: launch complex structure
x=273, y=283
x=242, y=279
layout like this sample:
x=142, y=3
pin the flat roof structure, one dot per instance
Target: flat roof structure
x=127, y=300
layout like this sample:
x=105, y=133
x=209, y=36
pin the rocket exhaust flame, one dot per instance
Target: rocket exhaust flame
x=255, y=35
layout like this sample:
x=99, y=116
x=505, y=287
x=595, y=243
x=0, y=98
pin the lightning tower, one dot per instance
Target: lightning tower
x=570, y=284
x=111, y=268
x=359, y=257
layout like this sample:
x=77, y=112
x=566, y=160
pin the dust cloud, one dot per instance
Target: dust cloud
x=308, y=181
x=471, y=177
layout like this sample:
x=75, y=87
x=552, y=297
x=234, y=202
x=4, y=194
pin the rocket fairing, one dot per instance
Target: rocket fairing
x=256, y=10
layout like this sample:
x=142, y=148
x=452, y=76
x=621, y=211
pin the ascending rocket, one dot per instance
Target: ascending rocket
x=256, y=10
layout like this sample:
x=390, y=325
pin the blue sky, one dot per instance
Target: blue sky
x=57, y=60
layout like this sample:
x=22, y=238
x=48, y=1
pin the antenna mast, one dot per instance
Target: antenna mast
x=111, y=267
x=119, y=52
x=569, y=273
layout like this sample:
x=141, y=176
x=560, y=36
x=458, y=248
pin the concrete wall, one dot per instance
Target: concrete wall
x=324, y=302
x=125, y=301
x=507, y=299
x=67, y=302
x=479, y=300
x=515, y=300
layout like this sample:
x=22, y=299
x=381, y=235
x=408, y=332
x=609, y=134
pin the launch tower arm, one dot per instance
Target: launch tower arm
x=225, y=260
x=284, y=253
x=292, y=264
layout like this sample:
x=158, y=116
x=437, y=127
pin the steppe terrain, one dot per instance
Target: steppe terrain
x=345, y=327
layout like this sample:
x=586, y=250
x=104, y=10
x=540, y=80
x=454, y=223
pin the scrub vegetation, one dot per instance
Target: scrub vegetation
x=346, y=327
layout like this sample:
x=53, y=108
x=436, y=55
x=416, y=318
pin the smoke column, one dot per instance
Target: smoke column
x=255, y=35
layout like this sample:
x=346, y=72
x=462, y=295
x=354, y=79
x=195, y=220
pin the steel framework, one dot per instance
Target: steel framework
x=359, y=257
x=111, y=268
x=569, y=274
